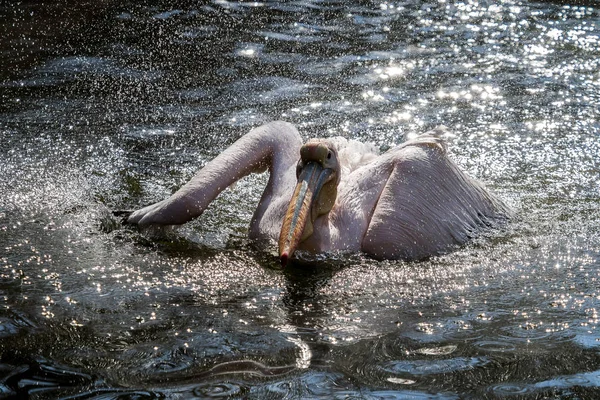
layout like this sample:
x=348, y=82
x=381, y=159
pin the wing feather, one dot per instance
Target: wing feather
x=428, y=204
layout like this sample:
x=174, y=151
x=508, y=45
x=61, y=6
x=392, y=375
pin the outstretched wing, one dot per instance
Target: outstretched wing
x=427, y=204
x=272, y=146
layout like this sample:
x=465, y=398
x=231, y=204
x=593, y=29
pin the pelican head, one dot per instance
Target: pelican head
x=318, y=173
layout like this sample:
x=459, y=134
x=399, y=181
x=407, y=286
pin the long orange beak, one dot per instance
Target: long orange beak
x=310, y=182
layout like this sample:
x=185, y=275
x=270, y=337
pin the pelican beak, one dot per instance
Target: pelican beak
x=297, y=223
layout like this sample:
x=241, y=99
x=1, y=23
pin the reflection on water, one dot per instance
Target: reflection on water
x=110, y=106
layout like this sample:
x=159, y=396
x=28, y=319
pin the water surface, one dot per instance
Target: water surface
x=110, y=106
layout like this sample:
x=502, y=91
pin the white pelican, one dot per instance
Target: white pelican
x=337, y=194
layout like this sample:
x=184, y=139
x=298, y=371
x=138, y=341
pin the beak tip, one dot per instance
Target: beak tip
x=284, y=259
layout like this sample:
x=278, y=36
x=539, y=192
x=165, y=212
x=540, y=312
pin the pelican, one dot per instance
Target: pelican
x=332, y=194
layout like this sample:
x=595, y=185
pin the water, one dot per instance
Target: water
x=108, y=106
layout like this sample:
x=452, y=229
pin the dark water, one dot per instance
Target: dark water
x=107, y=106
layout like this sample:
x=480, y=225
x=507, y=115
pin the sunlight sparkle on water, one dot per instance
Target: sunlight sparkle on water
x=247, y=52
x=84, y=134
x=372, y=95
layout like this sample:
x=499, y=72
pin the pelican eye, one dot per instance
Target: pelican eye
x=329, y=155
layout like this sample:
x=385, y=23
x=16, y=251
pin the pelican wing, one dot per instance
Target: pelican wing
x=272, y=146
x=427, y=204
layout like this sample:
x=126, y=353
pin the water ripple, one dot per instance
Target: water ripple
x=495, y=346
x=567, y=384
x=219, y=390
x=431, y=367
